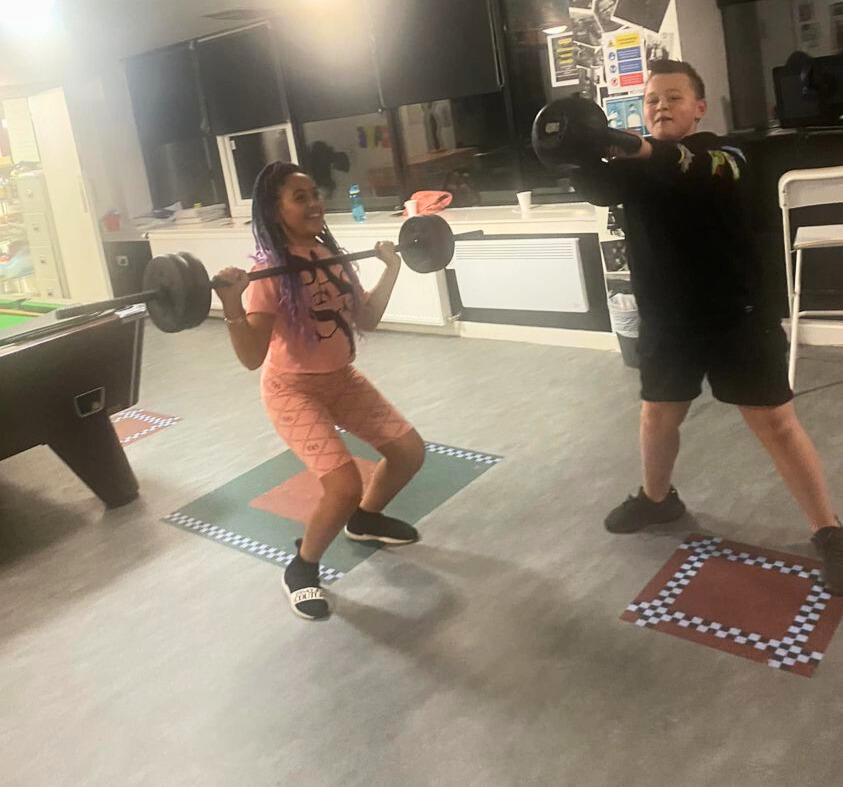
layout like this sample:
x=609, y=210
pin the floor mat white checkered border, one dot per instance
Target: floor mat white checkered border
x=458, y=453
x=461, y=453
x=244, y=544
x=785, y=652
x=156, y=423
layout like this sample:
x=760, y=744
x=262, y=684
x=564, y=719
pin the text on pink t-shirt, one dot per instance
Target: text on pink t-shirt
x=327, y=341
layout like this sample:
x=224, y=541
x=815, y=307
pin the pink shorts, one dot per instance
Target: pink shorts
x=307, y=408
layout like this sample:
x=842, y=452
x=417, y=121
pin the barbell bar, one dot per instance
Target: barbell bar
x=177, y=289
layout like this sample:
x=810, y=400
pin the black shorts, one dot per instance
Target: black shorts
x=745, y=365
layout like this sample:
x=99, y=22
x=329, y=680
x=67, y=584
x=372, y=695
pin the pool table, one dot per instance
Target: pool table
x=60, y=380
x=16, y=311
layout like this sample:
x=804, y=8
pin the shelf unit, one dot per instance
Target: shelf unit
x=14, y=278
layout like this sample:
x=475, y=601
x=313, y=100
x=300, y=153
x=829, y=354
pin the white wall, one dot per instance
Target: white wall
x=107, y=140
x=125, y=149
x=703, y=46
x=75, y=223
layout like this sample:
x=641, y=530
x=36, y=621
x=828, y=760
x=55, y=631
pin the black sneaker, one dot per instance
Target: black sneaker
x=638, y=512
x=301, y=580
x=366, y=526
x=829, y=543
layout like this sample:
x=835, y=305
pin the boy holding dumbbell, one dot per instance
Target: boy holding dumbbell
x=697, y=279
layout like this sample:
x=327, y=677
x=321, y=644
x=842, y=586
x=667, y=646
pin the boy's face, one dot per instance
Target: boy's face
x=671, y=107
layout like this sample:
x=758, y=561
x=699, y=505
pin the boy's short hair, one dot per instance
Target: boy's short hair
x=679, y=67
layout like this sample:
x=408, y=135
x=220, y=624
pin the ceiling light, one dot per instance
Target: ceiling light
x=31, y=16
x=555, y=31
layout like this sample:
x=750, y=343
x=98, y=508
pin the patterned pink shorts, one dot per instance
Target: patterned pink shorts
x=307, y=408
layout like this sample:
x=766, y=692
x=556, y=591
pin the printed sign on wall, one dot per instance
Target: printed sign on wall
x=835, y=11
x=624, y=56
x=808, y=27
x=625, y=112
x=563, y=66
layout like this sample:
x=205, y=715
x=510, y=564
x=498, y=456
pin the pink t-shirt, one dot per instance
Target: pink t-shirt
x=327, y=342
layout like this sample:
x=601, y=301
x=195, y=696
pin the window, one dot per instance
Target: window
x=463, y=146
x=245, y=154
x=352, y=150
x=530, y=83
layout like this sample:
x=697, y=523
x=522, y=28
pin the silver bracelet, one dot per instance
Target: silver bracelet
x=235, y=320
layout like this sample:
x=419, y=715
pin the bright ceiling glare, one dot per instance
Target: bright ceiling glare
x=27, y=17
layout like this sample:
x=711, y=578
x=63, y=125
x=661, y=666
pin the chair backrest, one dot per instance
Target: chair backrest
x=800, y=188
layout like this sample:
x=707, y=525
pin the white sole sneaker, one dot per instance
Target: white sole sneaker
x=382, y=539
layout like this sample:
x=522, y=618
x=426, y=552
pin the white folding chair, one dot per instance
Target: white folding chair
x=801, y=188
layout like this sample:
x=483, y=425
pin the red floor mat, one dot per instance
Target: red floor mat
x=297, y=497
x=767, y=606
x=133, y=425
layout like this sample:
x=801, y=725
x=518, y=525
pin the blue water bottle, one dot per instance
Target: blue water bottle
x=357, y=209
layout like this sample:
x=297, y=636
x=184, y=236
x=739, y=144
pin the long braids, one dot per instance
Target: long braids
x=272, y=246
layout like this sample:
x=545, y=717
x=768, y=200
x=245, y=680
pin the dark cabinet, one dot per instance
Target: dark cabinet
x=434, y=49
x=241, y=80
x=326, y=52
x=126, y=263
x=166, y=96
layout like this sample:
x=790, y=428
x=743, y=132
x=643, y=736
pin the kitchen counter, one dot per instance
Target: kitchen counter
x=577, y=215
x=554, y=244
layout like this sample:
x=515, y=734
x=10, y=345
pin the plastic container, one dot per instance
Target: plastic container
x=357, y=209
x=623, y=313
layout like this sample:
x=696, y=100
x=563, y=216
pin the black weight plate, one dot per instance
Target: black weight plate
x=169, y=277
x=427, y=243
x=570, y=132
x=200, y=291
x=193, y=297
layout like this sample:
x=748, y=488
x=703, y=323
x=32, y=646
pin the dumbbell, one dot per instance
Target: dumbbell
x=177, y=289
x=574, y=131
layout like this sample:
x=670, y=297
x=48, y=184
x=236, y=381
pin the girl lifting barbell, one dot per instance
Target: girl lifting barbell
x=300, y=327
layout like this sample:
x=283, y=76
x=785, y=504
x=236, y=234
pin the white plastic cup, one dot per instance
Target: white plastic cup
x=412, y=206
x=525, y=200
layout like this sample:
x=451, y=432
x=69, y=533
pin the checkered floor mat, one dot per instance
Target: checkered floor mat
x=244, y=544
x=461, y=453
x=766, y=606
x=262, y=512
x=133, y=425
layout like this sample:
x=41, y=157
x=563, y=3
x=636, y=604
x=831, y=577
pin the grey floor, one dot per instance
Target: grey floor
x=133, y=653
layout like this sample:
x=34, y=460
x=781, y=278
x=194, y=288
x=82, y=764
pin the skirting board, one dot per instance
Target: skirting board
x=818, y=333
x=556, y=337
x=450, y=329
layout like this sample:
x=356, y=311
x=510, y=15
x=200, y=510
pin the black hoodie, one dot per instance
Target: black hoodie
x=693, y=263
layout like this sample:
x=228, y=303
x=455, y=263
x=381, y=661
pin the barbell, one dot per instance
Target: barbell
x=575, y=131
x=177, y=288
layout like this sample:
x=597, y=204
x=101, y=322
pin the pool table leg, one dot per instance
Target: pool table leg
x=90, y=447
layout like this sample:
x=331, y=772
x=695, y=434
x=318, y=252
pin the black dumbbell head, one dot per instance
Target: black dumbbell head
x=427, y=243
x=169, y=276
x=199, y=300
x=570, y=132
